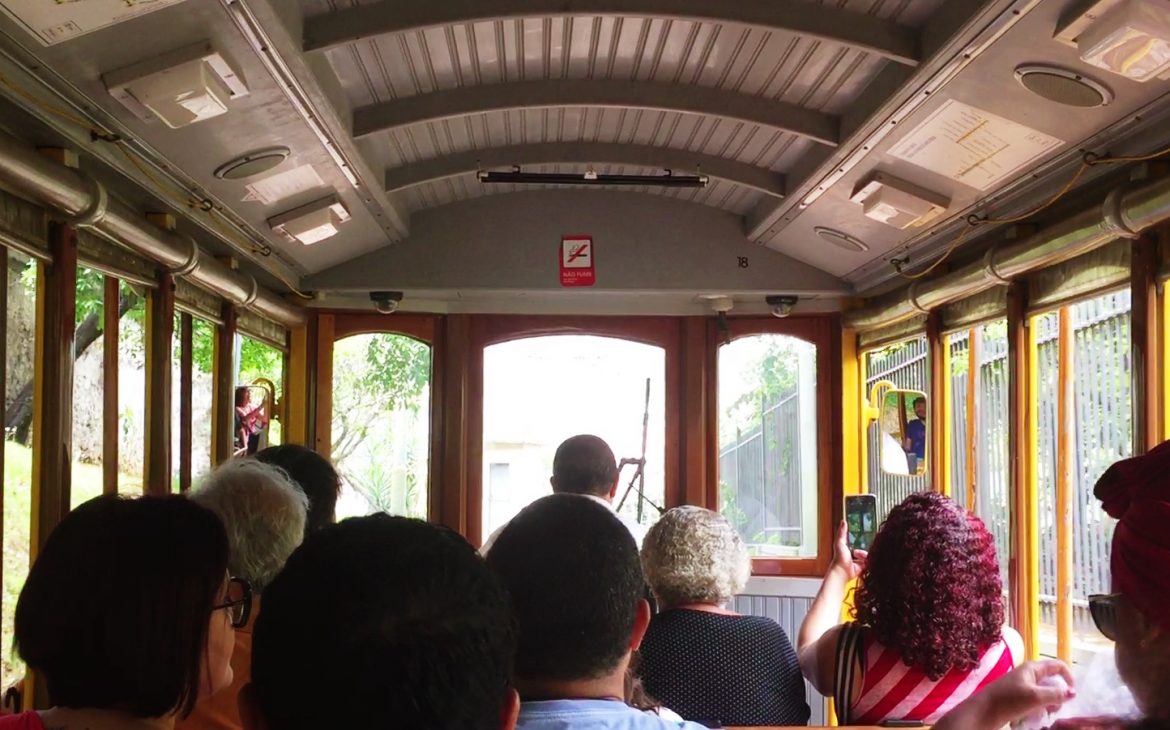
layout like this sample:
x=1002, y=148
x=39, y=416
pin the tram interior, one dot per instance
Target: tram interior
x=774, y=253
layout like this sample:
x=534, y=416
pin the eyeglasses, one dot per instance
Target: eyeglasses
x=238, y=603
x=1103, y=609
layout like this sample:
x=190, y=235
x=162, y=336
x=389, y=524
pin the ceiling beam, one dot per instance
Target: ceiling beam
x=654, y=95
x=599, y=153
x=856, y=30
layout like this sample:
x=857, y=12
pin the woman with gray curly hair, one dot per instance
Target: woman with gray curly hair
x=263, y=511
x=703, y=661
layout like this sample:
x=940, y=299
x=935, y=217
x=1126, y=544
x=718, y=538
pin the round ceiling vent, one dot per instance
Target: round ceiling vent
x=1062, y=86
x=252, y=163
x=841, y=240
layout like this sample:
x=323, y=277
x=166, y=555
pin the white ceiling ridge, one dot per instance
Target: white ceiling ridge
x=860, y=31
x=600, y=93
x=580, y=153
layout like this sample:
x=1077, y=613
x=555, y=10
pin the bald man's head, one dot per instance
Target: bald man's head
x=584, y=465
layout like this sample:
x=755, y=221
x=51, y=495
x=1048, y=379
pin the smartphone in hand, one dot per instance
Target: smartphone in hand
x=861, y=520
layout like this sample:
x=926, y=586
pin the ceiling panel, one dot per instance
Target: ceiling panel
x=987, y=84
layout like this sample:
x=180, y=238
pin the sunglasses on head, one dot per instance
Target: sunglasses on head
x=1103, y=609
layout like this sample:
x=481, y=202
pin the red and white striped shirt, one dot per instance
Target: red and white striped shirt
x=893, y=690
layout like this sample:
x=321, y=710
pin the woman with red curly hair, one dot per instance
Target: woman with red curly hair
x=928, y=629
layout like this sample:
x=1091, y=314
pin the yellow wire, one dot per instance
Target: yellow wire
x=950, y=250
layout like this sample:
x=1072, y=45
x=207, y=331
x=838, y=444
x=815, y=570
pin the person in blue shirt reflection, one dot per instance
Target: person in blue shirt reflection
x=915, y=442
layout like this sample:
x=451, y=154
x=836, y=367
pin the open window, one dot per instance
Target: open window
x=538, y=391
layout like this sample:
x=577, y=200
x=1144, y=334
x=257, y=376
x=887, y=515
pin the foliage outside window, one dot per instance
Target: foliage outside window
x=768, y=443
x=20, y=314
x=381, y=424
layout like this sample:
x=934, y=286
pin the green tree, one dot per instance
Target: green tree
x=88, y=323
x=374, y=375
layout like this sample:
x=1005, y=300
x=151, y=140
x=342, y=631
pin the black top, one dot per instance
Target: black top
x=715, y=668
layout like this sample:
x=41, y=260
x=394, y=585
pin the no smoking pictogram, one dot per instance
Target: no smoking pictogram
x=577, y=261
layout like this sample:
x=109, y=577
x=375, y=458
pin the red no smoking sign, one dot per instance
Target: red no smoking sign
x=577, y=261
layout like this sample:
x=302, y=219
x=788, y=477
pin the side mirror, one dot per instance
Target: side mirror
x=904, y=433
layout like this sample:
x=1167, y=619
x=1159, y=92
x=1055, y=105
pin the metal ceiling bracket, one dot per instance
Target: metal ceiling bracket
x=192, y=259
x=1113, y=213
x=989, y=268
x=95, y=212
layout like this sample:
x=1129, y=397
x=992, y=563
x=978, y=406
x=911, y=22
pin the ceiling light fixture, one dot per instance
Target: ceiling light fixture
x=312, y=222
x=592, y=178
x=1132, y=39
x=182, y=87
x=897, y=203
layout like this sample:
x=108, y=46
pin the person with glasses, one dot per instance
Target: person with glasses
x=1136, y=615
x=264, y=513
x=126, y=616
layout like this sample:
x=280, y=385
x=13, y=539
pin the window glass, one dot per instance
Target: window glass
x=88, y=386
x=381, y=424
x=768, y=443
x=262, y=366
x=131, y=389
x=979, y=427
x=20, y=316
x=539, y=391
x=1099, y=409
x=203, y=341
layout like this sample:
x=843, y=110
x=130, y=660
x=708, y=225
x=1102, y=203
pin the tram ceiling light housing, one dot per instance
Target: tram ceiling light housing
x=386, y=302
x=592, y=178
x=1130, y=38
x=312, y=222
x=897, y=203
x=181, y=88
x=781, y=304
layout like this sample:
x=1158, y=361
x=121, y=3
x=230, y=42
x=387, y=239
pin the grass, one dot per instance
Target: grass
x=87, y=484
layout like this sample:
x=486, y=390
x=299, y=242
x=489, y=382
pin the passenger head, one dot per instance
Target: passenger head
x=1137, y=493
x=383, y=622
x=316, y=477
x=263, y=512
x=694, y=555
x=931, y=588
x=577, y=590
x=118, y=611
x=584, y=465
x=920, y=407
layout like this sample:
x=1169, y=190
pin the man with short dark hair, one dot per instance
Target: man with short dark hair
x=577, y=591
x=383, y=622
x=314, y=474
x=585, y=465
x=916, y=431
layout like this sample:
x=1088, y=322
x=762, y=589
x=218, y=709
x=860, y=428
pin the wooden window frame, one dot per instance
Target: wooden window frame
x=334, y=326
x=823, y=332
x=664, y=332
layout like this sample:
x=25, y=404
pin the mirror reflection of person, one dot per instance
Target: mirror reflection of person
x=915, y=441
x=251, y=420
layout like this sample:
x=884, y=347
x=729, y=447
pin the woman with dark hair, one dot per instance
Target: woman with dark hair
x=1136, y=615
x=928, y=629
x=127, y=615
